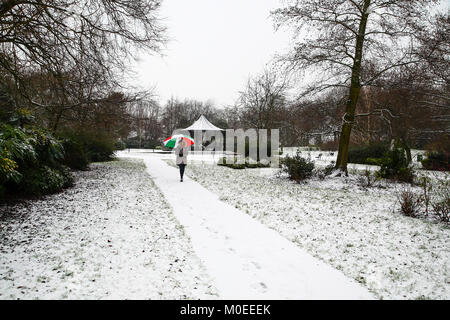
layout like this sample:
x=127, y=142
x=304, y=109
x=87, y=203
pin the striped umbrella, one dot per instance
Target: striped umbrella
x=171, y=141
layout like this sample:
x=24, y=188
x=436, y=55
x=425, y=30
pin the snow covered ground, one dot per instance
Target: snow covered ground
x=351, y=228
x=323, y=158
x=246, y=259
x=320, y=158
x=112, y=236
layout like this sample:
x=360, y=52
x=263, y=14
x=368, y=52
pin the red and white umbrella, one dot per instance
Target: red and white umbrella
x=171, y=141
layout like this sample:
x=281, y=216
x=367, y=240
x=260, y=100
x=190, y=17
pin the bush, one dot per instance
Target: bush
x=66, y=172
x=44, y=180
x=328, y=169
x=256, y=165
x=30, y=146
x=435, y=193
x=100, y=150
x=409, y=203
x=436, y=160
x=438, y=154
x=17, y=145
x=362, y=154
x=442, y=209
x=95, y=146
x=234, y=165
x=323, y=173
x=74, y=155
x=297, y=167
x=441, y=198
x=50, y=151
x=395, y=166
x=226, y=162
x=367, y=179
x=120, y=145
x=31, y=162
x=8, y=167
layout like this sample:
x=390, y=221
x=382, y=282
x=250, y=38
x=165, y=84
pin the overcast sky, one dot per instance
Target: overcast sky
x=215, y=46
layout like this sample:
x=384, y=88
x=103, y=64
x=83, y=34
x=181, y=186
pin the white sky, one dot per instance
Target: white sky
x=215, y=46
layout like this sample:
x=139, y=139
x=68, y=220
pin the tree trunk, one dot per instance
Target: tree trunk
x=407, y=149
x=408, y=154
x=369, y=110
x=355, y=88
x=56, y=122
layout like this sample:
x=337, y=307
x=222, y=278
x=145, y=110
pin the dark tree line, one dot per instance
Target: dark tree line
x=359, y=44
x=403, y=106
x=64, y=59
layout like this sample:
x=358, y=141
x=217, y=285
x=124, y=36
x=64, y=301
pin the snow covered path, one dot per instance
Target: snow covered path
x=111, y=236
x=246, y=259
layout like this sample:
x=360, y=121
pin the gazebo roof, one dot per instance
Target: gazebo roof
x=203, y=124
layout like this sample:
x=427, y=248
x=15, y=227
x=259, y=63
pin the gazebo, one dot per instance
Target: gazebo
x=202, y=125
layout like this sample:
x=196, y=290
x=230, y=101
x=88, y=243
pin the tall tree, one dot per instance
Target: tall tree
x=263, y=100
x=146, y=120
x=80, y=46
x=336, y=37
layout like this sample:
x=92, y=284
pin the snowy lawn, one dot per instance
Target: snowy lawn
x=354, y=229
x=112, y=236
x=246, y=259
x=324, y=158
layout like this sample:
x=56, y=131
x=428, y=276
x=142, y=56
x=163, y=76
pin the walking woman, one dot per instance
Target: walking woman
x=181, y=152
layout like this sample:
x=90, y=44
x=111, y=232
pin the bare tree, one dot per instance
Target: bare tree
x=231, y=117
x=316, y=118
x=343, y=34
x=81, y=47
x=146, y=114
x=179, y=114
x=407, y=107
x=263, y=100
